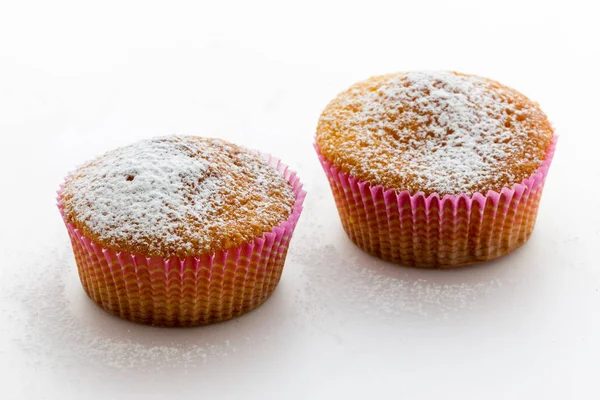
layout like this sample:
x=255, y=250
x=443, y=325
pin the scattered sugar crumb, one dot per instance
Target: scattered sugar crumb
x=58, y=334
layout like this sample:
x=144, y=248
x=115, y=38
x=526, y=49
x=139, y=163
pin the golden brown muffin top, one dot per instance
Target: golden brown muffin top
x=434, y=132
x=176, y=196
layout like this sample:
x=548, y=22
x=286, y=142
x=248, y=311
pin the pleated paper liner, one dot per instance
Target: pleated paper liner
x=187, y=291
x=434, y=231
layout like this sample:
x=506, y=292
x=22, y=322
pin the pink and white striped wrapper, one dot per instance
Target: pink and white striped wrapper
x=187, y=291
x=433, y=231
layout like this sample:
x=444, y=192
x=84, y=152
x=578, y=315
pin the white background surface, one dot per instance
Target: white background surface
x=77, y=80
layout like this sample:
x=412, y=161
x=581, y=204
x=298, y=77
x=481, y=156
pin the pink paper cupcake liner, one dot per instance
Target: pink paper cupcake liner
x=192, y=290
x=433, y=231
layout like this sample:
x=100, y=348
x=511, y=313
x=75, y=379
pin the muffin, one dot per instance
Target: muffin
x=435, y=169
x=180, y=230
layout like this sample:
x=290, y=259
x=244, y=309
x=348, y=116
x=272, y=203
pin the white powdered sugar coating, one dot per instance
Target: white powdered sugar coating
x=179, y=195
x=434, y=131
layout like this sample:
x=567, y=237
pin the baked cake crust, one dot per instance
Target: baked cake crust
x=434, y=132
x=176, y=196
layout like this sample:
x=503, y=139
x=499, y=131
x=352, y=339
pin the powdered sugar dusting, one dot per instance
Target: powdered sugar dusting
x=434, y=132
x=179, y=195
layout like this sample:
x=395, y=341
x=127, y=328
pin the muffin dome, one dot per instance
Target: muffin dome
x=434, y=132
x=176, y=196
